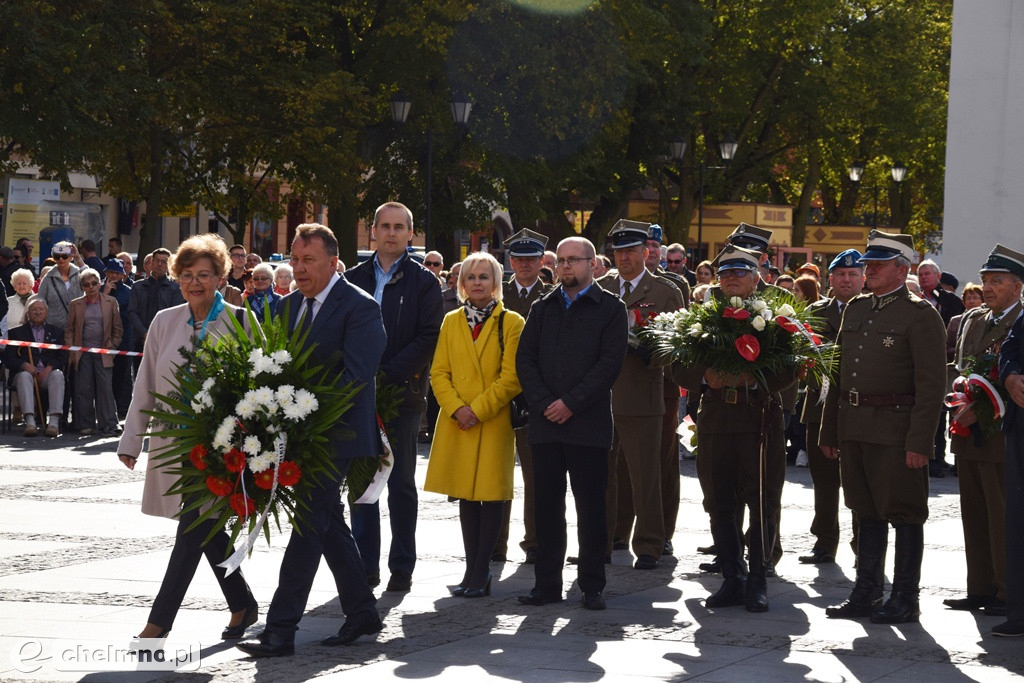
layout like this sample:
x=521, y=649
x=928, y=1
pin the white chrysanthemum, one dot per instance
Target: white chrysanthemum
x=736, y=302
x=261, y=461
x=786, y=310
x=264, y=396
x=246, y=408
x=305, y=403
x=281, y=357
x=251, y=445
x=285, y=394
x=292, y=412
x=222, y=438
x=757, y=322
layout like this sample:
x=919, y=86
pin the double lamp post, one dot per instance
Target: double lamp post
x=727, y=150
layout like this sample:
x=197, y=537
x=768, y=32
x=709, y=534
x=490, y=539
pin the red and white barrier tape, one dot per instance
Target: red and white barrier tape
x=61, y=347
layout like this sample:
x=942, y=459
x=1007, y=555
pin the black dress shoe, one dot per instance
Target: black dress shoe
x=593, y=600
x=667, y=549
x=853, y=609
x=373, y=579
x=1009, y=629
x=478, y=592
x=646, y=562
x=349, y=632
x=531, y=556
x=731, y=593
x=995, y=609
x=400, y=582
x=251, y=616
x=710, y=567
x=818, y=556
x=538, y=599
x=970, y=603
x=499, y=557
x=707, y=550
x=620, y=544
x=267, y=645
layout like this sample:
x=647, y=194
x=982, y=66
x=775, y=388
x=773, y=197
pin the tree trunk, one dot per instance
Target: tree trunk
x=151, y=234
x=803, y=207
x=343, y=217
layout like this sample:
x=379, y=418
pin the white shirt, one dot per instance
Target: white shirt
x=632, y=283
x=318, y=300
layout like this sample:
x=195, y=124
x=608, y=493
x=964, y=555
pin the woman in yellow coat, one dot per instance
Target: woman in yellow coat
x=473, y=453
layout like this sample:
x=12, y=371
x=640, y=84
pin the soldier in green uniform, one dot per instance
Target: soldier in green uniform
x=847, y=280
x=637, y=397
x=734, y=416
x=981, y=458
x=880, y=420
x=525, y=250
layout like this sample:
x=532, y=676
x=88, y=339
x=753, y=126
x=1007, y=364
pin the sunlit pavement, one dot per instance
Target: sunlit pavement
x=80, y=563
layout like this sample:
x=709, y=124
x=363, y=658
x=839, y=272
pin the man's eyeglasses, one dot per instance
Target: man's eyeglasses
x=432, y=264
x=570, y=261
x=203, y=278
x=238, y=255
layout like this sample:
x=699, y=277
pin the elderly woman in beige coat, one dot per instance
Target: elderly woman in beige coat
x=198, y=266
x=94, y=320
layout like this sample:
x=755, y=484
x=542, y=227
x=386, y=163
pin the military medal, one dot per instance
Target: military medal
x=888, y=342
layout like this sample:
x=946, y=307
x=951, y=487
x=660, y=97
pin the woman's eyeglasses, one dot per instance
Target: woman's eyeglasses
x=203, y=278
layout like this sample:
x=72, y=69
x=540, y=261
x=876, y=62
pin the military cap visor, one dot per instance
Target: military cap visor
x=526, y=243
x=736, y=258
x=1004, y=260
x=627, y=233
x=750, y=237
x=883, y=246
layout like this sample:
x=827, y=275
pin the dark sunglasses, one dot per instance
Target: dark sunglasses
x=676, y=261
x=61, y=257
x=432, y=264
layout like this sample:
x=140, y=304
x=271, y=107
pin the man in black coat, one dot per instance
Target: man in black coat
x=410, y=302
x=570, y=353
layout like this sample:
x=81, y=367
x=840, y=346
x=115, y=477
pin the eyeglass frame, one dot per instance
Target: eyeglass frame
x=201, y=278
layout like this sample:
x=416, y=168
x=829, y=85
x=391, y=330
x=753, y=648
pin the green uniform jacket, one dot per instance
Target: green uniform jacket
x=513, y=301
x=972, y=340
x=895, y=344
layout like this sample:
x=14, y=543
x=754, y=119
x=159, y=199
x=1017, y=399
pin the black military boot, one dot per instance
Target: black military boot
x=902, y=606
x=872, y=542
x=730, y=556
x=761, y=544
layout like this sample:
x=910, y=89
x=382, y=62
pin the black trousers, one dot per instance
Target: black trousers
x=1014, y=520
x=184, y=561
x=587, y=469
x=324, y=534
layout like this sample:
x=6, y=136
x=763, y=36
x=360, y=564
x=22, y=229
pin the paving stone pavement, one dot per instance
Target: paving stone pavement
x=79, y=562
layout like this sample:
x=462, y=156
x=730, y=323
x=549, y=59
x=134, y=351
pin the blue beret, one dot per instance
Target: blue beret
x=848, y=259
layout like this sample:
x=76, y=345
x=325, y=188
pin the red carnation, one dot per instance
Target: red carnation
x=748, y=347
x=234, y=460
x=198, y=456
x=264, y=479
x=288, y=473
x=218, y=486
x=242, y=505
x=735, y=313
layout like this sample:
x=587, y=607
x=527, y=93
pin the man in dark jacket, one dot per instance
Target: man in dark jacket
x=410, y=302
x=151, y=296
x=570, y=353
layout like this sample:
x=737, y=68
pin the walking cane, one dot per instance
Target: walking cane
x=39, y=396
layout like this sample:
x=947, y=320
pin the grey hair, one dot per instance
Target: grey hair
x=904, y=261
x=927, y=263
x=86, y=272
x=22, y=273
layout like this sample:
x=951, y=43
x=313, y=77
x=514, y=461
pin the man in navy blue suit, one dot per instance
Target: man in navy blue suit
x=341, y=318
x=1011, y=371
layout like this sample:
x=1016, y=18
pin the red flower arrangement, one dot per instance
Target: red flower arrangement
x=264, y=479
x=242, y=505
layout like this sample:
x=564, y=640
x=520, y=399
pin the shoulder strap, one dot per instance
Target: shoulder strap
x=501, y=332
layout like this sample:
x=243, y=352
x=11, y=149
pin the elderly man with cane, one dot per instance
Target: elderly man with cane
x=40, y=369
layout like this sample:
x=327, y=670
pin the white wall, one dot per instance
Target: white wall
x=984, y=195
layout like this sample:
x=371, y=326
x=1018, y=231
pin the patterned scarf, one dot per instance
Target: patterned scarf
x=476, y=317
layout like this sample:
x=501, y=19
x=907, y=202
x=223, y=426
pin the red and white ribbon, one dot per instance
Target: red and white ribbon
x=64, y=347
x=964, y=387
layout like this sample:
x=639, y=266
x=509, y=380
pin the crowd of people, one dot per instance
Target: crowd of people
x=545, y=367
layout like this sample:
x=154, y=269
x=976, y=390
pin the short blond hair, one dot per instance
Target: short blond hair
x=484, y=260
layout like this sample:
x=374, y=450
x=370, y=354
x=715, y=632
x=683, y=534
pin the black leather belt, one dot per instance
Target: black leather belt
x=734, y=395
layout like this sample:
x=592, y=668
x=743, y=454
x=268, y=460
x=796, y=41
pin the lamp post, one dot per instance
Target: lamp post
x=898, y=172
x=461, y=107
x=727, y=150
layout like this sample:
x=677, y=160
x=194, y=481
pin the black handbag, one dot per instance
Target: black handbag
x=519, y=409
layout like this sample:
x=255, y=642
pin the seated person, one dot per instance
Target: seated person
x=46, y=366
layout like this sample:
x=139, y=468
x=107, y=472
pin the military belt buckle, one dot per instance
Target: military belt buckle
x=853, y=397
x=731, y=395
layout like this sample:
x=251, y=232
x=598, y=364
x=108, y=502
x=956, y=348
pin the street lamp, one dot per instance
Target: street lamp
x=461, y=107
x=898, y=172
x=727, y=150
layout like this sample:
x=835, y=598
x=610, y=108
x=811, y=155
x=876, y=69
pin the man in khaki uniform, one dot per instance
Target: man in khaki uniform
x=735, y=416
x=637, y=397
x=525, y=249
x=981, y=460
x=847, y=280
x=880, y=420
